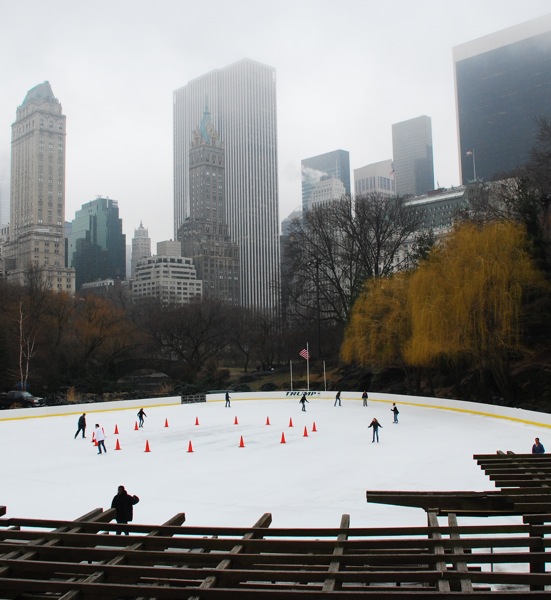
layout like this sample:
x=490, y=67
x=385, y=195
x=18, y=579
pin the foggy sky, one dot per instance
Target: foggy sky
x=345, y=72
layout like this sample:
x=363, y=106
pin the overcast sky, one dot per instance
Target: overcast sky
x=346, y=70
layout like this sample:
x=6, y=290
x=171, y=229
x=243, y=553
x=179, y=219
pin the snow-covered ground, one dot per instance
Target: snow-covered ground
x=309, y=481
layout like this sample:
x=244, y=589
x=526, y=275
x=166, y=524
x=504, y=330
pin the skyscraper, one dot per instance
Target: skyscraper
x=242, y=100
x=141, y=247
x=335, y=164
x=412, y=156
x=376, y=178
x=97, y=245
x=204, y=233
x=502, y=85
x=37, y=210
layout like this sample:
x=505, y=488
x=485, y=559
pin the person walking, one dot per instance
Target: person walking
x=81, y=426
x=227, y=405
x=396, y=412
x=141, y=415
x=375, y=424
x=124, y=503
x=303, y=401
x=338, y=399
x=538, y=448
x=364, y=398
x=100, y=438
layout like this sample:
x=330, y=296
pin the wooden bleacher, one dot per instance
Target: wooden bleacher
x=84, y=559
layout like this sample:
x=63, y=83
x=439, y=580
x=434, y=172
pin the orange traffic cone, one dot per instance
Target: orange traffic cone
x=117, y=445
x=166, y=422
x=196, y=420
x=147, y=446
x=136, y=426
x=305, y=434
x=283, y=438
x=116, y=430
x=314, y=427
x=95, y=442
x=267, y=420
x=241, y=443
x=236, y=422
x=190, y=447
x=290, y=422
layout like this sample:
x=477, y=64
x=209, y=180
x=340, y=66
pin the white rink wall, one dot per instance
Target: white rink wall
x=529, y=417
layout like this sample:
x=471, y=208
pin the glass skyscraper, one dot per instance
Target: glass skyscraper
x=97, y=245
x=412, y=156
x=502, y=85
x=242, y=102
x=334, y=164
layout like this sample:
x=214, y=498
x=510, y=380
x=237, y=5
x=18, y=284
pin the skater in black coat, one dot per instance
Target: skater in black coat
x=303, y=401
x=123, y=503
x=81, y=425
x=141, y=415
x=375, y=424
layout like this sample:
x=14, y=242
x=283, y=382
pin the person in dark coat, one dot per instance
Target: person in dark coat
x=364, y=398
x=538, y=448
x=396, y=412
x=338, y=399
x=81, y=426
x=303, y=401
x=123, y=503
x=375, y=424
x=141, y=415
x=228, y=405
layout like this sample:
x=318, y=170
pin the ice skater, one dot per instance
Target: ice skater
x=303, y=401
x=375, y=424
x=338, y=399
x=227, y=405
x=396, y=412
x=100, y=438
x=123, y=503
x=364, y=398
x=141, y=415
x=538, y=448
x=81, y=426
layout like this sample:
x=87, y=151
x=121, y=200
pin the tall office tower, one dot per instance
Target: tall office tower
x=242, y=99
x=412, y=156
x=376, y=178
x=331, y=164
x=502, y=85
x=141, y=247
x=97, y=245
x=204, y=233
x=37, y=213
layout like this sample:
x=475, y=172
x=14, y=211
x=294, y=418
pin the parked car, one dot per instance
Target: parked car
x=17, y=399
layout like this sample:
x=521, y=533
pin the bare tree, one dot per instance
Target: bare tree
x=338, y=246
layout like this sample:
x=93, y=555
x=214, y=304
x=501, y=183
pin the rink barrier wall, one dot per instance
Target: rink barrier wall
x=518, y=415
x=89, y=408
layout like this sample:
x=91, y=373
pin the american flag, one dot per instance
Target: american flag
x=305, y=354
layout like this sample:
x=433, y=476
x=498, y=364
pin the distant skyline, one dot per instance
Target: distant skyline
x=344, y=72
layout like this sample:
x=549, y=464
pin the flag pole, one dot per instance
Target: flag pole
x=291, y=369
x=307, y=368
x=324, y=378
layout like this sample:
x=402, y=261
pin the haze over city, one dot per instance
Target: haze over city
x=345, y=73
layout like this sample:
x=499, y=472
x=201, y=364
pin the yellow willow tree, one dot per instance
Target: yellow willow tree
x=380, y=324
x=466, y=300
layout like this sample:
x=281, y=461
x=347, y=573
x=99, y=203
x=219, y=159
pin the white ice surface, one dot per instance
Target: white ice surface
x=306, y=482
